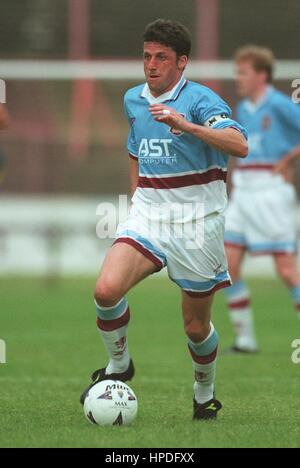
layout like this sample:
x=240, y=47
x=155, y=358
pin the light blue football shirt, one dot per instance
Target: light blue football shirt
x=175, y=166
x=177, y=153
x=273, y=125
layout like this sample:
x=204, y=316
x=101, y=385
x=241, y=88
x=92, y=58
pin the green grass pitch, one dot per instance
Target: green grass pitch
x=53, y=345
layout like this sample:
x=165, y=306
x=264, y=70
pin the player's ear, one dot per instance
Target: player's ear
x=182, y=62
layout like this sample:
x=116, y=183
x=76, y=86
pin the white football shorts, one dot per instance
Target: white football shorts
x=263, y=221
x=193, y=253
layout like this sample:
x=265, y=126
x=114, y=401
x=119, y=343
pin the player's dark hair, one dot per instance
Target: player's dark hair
x=171, y=34
x=262, y=59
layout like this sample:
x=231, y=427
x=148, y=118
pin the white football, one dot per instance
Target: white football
x=110, y=403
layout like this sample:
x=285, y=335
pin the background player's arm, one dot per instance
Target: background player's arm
x=227, y=140
x=4, y=118
x=134, y=175
x=289, y=113
x=285, y=164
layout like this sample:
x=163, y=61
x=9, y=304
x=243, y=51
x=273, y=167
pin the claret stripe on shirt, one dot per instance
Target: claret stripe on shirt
x=183, y=181
x=255, y=167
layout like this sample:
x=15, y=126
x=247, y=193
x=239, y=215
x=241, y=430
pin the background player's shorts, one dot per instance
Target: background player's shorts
x=263, y=221
x=197, y=264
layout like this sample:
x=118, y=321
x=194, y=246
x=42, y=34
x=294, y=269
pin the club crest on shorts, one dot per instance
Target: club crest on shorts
x=176, y=132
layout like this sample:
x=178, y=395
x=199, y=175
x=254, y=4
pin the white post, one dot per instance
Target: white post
x=2, y=92
x=2, y=352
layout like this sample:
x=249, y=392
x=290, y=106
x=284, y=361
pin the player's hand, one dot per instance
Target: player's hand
x=284, y=168
x=169, y=116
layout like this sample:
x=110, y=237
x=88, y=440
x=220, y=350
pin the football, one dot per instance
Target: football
x=111, y=403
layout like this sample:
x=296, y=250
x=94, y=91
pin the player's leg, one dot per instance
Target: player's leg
x=239, y=302
x=203, y=345
x=198, y=265
x=238, y=228
x=288, y=271
x=287, y=263
x=123, y=268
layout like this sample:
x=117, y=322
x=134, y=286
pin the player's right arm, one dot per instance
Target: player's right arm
x=4, y=118
x=132, y=148
x=290, y=115
x=134, y=175
x=283, y=167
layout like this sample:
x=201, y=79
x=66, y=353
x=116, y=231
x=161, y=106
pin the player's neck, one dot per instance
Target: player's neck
x=258, y=94
x=169, y=88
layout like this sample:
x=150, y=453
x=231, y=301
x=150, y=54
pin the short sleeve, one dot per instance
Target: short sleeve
x=131, y=140
x=290, y=113
x=217, y=114
x=239, y=111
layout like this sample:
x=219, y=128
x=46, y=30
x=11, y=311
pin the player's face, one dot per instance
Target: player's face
x=162, y=67
x=248, y=80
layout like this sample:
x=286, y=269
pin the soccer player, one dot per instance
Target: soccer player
x=261, y=216
x=180, y=135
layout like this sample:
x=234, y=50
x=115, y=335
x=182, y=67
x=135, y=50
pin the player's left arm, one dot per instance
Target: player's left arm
x=284, y=165
x=229, y=140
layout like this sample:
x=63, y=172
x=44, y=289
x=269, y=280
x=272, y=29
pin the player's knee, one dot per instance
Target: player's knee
x=234, y=264
x=234, y=271
x=107, y=293
x=196, y=330
x=286, y=274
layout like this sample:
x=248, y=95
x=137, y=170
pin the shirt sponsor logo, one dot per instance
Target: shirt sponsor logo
x=155, y=148
x=156, y=151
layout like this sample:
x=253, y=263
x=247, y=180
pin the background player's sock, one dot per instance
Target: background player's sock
x=204, y=357
x=241, y=316
x=296, y=298
x=113, y=324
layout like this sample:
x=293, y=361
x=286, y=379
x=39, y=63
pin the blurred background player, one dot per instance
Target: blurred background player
x=261, y=216
x=4, y=121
